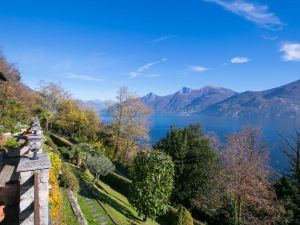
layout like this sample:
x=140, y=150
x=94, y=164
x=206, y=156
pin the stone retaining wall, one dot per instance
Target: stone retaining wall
x=76, y=208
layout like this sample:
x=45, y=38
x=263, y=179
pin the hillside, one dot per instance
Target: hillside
x=283, y=101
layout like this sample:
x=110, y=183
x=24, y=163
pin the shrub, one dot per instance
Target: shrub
x=184, y=217
x=152, y=183
x=10, y=142
x=66, y=153
x=50, y=143
x=55, y=196
x=118, y=182
x=68, y=179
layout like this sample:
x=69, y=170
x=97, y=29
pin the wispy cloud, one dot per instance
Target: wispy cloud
x=239, y=60
x=84, y=77
x=270, y=38
x=259, y=14
x=151, y=75
x=163, y=38
x=198, y=69
x=140, y=70
x=291, y=51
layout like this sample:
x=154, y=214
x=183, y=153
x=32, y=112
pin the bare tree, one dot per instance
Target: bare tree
x=245, y=160
x=292, y=151
x=130, y=126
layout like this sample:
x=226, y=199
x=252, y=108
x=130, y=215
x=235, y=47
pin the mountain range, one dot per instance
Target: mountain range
x=187, y=100
x=283, y=101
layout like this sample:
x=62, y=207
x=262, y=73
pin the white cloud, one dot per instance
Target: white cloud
x=140, y=70
x=291, y=51
x=84, y=77
x=240, y=60
x=259, y=14
x=198, y=69
x=163, y=38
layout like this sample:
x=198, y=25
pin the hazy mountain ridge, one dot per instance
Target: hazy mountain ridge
x=97, y=105
x=283, y=101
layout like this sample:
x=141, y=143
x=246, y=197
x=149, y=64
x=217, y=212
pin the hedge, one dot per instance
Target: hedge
x=117, y=182
x=184, y=217
x=171, y=217
x=59, y=141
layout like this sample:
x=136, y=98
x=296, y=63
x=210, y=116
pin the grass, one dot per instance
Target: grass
x=92, y=210
x=94, y=198
x=68, y=216
x=117, y=205
x=100, y=194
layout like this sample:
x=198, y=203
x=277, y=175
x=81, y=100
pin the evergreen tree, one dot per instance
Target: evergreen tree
x=196, y=163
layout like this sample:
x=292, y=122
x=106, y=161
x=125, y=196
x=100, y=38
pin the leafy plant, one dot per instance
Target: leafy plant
x=152, y=183
x=10, y=142
x=184, y=217
x=55, y=196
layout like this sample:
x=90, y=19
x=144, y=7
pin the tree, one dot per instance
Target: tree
x=129, y=125
x=245, y=161
x=152, y=183
x=99, y=165
x=78, y=122
x=292, y=151
x=288, y=187
x=196, y=164
x=16, y=100
x=184, y=217
x=50, y=97
x=79, y=153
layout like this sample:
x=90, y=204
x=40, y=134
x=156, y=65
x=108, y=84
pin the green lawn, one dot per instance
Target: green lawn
x=92, y=211
x=101, y=195
x=68, y=216
x=93, y=199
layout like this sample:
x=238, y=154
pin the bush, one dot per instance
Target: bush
x=66, y=153
x=169, y=218
x=50, y=143
x=184, y=217
x=9, y=142
x=152, y=183
x=55, y=197
x=118, y=182
x=68, y=179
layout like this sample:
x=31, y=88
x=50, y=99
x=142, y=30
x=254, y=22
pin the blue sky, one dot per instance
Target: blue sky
x=94, y=47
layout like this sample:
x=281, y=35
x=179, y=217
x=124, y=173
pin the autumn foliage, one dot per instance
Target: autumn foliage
x=55, y=196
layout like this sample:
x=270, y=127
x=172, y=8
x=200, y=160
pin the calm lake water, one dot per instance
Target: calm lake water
x=160, y=125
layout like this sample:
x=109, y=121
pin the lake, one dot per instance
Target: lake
x=160, y=125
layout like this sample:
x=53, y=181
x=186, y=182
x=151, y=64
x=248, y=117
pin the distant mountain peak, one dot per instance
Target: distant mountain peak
x=185, y=90
x=150, y=97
